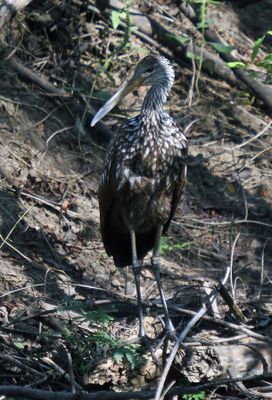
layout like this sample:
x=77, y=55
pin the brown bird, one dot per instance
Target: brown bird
x=144, y=176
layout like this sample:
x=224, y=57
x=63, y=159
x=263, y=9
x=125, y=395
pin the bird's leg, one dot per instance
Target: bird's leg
x=156, y=269
x=136, y=266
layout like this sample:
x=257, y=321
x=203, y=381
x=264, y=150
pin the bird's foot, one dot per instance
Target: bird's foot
x=170, y=330
x=146, y=341
x=142, y=333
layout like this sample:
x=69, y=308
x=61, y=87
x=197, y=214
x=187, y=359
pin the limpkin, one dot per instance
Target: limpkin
x=144, y=175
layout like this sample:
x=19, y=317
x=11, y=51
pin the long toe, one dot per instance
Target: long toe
x=170, y=329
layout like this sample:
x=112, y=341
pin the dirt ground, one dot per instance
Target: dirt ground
x=60, y=295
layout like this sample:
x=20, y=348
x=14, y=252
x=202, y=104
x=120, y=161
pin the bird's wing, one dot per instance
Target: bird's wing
x=177, y=193
x=112, y=227
x=105, y=198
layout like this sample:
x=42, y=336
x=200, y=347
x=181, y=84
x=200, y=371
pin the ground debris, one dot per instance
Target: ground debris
x=68, y=317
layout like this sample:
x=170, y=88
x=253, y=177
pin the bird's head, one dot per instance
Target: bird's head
x=150, y=71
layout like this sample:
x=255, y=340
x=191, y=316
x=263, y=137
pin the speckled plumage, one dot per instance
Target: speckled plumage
x=144, y=172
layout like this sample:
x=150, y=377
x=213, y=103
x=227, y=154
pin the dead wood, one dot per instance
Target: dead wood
x=234, y=308
x=263, y=92
x=212, y=63
x=62, y=245
x=245, y=359
x=101, y=133
x=152, y=28
x=9, y=9
x=40, y=81
x=40, y=394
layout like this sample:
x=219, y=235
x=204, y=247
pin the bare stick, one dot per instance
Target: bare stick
x=38, y=80
x=231, y=265
x=255, y=137
x=14, y=390
x=9, y=9
x=182, y=336
x=231, y=325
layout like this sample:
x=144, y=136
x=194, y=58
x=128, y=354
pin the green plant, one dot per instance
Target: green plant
x=91, y=345
x=129, y=353
x=101, y=316
x=86, y=347
x=167, y=248
x=117, y=18
x=264, y=64
x=195, y=396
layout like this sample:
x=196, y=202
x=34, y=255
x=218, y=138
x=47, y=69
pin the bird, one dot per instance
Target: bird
x=143, y=177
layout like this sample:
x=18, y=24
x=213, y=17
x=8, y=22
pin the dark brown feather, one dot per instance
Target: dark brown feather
x=144, y=173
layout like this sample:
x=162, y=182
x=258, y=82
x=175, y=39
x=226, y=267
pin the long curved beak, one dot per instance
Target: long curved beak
x=132, y=84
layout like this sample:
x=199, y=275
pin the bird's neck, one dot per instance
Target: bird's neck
x=155, y=99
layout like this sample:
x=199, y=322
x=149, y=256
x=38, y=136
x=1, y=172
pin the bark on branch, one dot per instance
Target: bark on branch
x=211, y=62
x=40, y=394
x=9, y=8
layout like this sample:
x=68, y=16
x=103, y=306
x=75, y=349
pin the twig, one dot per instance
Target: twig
x=240, y=386
x=262, y=268
x=67, y=128
x=14, y=226
x=182, y=336
x=55, y=205
x=20, y=289
x=224, y=223
x=262, y=91
x=217, y=321
x=231, y=264
x=229, y=300
x=40, y=394
x=6, y=242
x=61, y=371
x=71, y=372
x=254, y=137
x=19, y=364
x=9, y=8
x=39, y=81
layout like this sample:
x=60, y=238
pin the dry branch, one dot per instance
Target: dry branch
x=212, y=63
x=9, y=8
x=109, y=395
x=28, y=75
x=152, y=28
x=263, y=92
x=31, y=76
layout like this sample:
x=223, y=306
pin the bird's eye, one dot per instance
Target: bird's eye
x=149, y=69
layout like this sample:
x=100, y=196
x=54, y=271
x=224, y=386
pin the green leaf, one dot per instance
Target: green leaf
x=202, y=25
x=266, y=62
x=256, y=47
x=19, y=345
x=131, y=358
x=103, y=94
x=116, y=17
x=183, y=40
x=205, y=23
x=98, y=316
x=221, y=48
x=236, y=64
x=192, y=56
x=133, y=29
x=118, y=355
x=268, y=57
x=195, y=396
